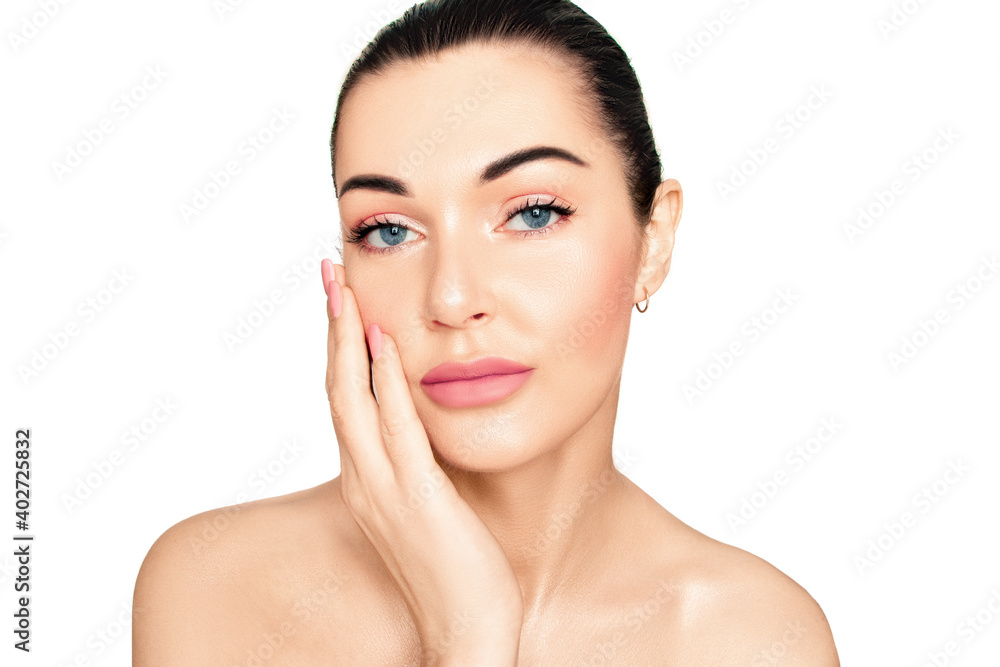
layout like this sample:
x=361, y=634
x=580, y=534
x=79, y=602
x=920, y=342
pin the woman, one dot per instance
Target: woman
x=498, y=184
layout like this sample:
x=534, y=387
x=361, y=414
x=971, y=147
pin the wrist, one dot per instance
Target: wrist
x=462, y=646
x=474, y=640
x=486, y=653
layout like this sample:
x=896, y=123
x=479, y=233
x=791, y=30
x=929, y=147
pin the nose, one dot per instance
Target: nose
x=459, y=293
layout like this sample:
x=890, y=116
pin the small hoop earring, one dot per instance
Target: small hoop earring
x=646, y=292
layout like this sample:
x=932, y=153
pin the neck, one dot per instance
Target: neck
x=556, y=516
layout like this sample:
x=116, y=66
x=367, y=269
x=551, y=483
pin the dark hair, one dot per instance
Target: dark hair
x=434, y=25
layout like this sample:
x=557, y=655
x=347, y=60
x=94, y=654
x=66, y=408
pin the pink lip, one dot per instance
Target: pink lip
x=481, y=382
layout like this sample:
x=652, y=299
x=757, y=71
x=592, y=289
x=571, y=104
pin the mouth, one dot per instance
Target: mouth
x=481, y=382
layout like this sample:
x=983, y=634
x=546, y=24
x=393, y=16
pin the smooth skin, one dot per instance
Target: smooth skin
x=498, y=535
x=386, y=460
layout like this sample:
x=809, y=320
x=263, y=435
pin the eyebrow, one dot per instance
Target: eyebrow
x=493, y=170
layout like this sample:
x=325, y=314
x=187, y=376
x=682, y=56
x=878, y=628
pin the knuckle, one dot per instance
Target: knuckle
x=359, y=383
x=393, y=428
x=339, y=410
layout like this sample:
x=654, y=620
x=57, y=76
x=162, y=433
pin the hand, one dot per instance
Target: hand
x=451, y=571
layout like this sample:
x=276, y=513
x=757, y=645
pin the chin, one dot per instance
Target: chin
x=492, y=443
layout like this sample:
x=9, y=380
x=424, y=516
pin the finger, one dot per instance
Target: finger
x=352, y=405
x=339, y=273
x=326, y=270
x=347, y=469
x=402, y=431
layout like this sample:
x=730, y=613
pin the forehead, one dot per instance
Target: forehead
x=443, y=118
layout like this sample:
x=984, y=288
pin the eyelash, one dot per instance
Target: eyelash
x=358, y=235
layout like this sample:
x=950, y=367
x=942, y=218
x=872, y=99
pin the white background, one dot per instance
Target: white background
x=62, y=237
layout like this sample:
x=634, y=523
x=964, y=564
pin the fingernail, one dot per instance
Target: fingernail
x=336, y=301
x=326, y=268
x=374, y=341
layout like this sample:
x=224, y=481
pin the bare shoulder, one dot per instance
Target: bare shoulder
x=737, y=609
x=240, y=580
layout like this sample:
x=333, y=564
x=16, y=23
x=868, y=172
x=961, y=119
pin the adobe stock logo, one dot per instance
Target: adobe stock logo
x=712, y=30
x=76, y=153
x=364, y=34
x=924, y=500
x=266, y=306
x=787, y=126
x=34, y=23
x=926, y=330
x=59, y=340
x=899, y=16
x=752, y=330
x=217, y=180
x=914, y=168
x=105, y=467
x=970, y=627
x=795, y=459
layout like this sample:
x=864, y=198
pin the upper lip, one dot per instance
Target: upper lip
x=451, y=371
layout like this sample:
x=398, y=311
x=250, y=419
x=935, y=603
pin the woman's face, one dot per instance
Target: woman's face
x=461, y=276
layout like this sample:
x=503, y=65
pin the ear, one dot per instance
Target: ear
x=664, y=219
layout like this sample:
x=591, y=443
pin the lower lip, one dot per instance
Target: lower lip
x=480, y=391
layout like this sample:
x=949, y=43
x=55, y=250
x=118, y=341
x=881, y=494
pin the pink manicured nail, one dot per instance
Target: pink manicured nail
x=336, y=300
x=374, y=341
x=326, y=268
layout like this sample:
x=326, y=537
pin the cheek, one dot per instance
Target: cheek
x=590, y=312
x=403, y=324
x=598, y=333
x=368, y=308
x=374, y=309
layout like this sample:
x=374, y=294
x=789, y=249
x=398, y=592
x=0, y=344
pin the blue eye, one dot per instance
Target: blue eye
x=535, y=215
x=391, y=235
